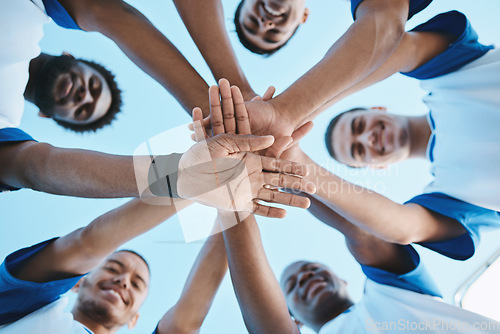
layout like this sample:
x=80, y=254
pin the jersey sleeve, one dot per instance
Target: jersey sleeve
x=462, y=51
x=472, y=217
x=418, y=280
x=60, y=15
x=19, y=298
x=415, y=7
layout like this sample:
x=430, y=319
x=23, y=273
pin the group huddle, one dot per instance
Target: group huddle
x=246, y=155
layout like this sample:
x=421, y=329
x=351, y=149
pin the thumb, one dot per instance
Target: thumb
x=247, y=143
x=279, y=146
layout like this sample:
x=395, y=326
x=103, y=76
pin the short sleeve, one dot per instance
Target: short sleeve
x=415, y=7
x=462, y=51
x=472, y=217
x=418, y=280
x=60, y=15
x=20, y=298
x=12, y=135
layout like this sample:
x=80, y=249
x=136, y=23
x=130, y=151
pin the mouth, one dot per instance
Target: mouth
x=115, y=294
x=313, y=287
x=273, y=10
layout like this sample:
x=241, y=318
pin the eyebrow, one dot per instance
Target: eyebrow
x=123, y=266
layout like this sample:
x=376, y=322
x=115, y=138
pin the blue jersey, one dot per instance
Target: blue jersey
x=12, y=135
x=59, y=14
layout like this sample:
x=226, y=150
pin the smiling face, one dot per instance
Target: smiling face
x=313, y=293
x=71, y=91
x=112, y=293
x=372, y=137
x=268, y=24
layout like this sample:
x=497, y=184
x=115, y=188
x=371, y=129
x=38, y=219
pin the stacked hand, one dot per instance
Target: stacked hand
x=238, y=177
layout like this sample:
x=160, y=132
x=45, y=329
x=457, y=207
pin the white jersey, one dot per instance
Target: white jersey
x=21, y=29
x=465, y=106
x=387, y=309
x=50, y=319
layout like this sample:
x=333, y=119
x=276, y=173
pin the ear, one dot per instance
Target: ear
x=298, y=323
x=132, y=322
x=345, y=282
x=380, y=166
x=305, y=15
x=68, y=54
x=76, y=288
x=384, y=109
x=43, y=115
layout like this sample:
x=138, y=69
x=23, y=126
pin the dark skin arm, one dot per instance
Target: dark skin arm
x=147, y=47
x=82, y=250
x=366, y=248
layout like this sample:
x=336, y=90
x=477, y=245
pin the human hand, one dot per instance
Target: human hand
x=229, y=115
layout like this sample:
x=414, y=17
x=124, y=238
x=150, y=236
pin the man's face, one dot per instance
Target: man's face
x=112, y=293
x=370, y=138
x=71, y=91
x=268, y=24
x=312, y=292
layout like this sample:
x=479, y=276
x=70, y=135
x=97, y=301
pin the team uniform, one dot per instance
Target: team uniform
x=463, y=84
x=29, y=307
x=408, y=303
x=21, y=24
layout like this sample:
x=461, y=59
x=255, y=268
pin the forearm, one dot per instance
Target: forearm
x=365, y=46
x=70, y=172
x=147, y=47
x=203, y=281
x=259, y=295
x=415, y=49
x=205, y=22
x=82, y=250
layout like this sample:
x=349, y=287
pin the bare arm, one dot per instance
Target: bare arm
x=80, y=251
x=188, y=314
x=147, y=47
x=366, y=248
x=70, y=172
x=415, y=49
x=378, y=215
x=366, y=45
x=204, y=20
x=259, y=295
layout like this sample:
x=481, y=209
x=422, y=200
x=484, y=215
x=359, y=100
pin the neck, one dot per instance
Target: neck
x=420, y=133
x=36, y=65
x=317, y=326
x=91, y=324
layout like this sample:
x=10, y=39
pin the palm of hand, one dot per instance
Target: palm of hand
x=208, y=165
x=264, y=120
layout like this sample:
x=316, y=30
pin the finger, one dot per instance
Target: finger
x=283, y=166
x=268, y=211
x=256, y=98
x=276, y=196
x=302, y=131
x=242, y=119
x=289, y=181
x=279, y=146
x=216, y=119
x=246, y=143
x=227, y=106
x=199, y=130
x=269, y=93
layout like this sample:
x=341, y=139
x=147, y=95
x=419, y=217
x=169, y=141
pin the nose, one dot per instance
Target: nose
x=267, y=23
x=368, y=138
x=123, y=281
x=82, y=96
x=302, y=278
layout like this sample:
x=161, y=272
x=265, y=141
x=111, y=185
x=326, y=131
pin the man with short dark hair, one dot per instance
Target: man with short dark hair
x=79, y=95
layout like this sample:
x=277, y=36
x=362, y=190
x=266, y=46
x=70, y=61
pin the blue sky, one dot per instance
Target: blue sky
x=28, y=217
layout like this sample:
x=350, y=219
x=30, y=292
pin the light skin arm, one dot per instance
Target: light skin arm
x=205, y=22
x=258, y=292
x=147, y=47
x=376, y=214
x=80, y=251
x=209, y=269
